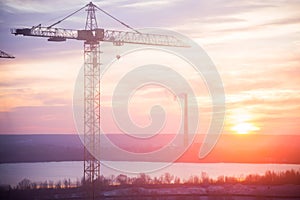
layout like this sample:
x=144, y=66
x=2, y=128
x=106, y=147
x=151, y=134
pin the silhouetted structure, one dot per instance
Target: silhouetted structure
x=5, y=55
x=92, y=36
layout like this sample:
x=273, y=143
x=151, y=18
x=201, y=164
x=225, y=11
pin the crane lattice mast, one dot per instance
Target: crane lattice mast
x=92, y=36
x=91, y=99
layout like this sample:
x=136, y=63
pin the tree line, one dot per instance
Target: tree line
x=268, y=178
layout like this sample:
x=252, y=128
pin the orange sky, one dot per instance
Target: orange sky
x=254, y=45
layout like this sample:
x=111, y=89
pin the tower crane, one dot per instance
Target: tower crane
x=92, y=36
x=5, y=55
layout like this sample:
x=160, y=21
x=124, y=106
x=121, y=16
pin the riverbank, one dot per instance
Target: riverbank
x=166, y=192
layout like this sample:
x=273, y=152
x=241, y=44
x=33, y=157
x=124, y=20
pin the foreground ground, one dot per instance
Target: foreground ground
x=166, y=192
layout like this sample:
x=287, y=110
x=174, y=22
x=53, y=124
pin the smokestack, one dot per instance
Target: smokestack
x=186, y=128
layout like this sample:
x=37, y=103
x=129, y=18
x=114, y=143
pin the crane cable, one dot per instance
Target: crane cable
x=124, y=24
x=67, y=17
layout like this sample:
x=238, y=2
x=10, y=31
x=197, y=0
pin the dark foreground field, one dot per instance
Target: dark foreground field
x=166, y=192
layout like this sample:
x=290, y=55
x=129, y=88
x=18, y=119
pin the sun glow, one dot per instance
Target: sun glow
x=244, y=128
x=242, y=123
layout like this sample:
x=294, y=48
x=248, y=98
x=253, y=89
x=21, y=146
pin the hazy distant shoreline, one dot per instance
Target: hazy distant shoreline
x=281, y=149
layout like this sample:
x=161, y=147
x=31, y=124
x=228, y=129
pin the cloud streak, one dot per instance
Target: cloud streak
x=37, y=120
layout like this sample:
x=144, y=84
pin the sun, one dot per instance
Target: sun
x=244, y=128
x=242, y=122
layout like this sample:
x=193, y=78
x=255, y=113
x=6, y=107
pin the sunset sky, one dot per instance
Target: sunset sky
x=255, y=46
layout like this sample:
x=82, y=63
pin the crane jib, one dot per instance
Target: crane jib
x=99, y=34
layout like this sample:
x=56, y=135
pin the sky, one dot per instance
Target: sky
x=254, y=45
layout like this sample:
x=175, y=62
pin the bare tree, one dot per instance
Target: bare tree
x=58, y=185
x=24, y=184
x=122, y=179
x=168, y=178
